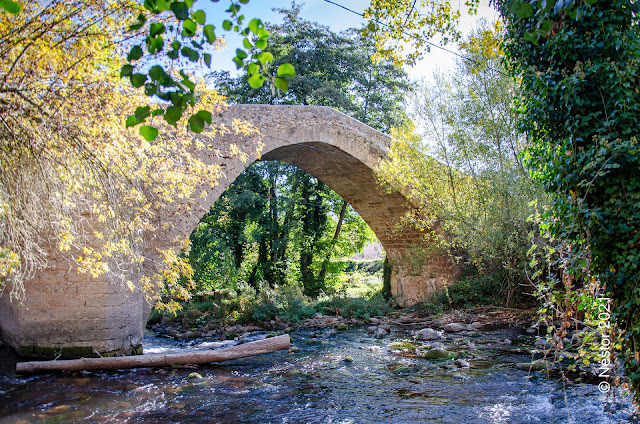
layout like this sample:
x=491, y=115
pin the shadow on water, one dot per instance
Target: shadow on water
x=344, y=377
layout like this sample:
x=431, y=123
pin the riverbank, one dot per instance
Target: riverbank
x=486, y=316
x=427, y=334
x=471, y=366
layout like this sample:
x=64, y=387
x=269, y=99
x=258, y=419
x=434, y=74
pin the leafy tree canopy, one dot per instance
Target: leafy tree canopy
x=577, y=65
x=170, y=35
x=74, y=182
x=404, y=30
x=269, y=225
x=297, y=233
x=332, y=69
x=465, y=167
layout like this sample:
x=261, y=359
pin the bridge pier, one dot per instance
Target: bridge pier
x=416, y=276
x=73, y=315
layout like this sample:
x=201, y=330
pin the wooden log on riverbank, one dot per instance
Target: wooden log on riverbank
x=259, y=347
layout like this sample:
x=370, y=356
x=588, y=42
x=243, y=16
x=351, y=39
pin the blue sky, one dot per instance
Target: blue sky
x=337, y=19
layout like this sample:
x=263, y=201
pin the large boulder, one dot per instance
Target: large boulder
x=428, y=334
x=437, y=353
x=454, y=327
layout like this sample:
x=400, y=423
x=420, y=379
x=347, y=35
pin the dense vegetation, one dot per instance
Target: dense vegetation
x=583, y=58
x=278, y=232
x=276, y=225
x=577, y=71
x=466, y=168
x=65, y=153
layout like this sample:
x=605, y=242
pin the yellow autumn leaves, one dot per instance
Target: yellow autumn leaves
x=73, y=181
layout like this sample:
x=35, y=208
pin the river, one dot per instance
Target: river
x=332, y=377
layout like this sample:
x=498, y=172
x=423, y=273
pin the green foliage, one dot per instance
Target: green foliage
x=296, y=237
x=368, y=266
x=331, y=70
x=397, y=25
x=473, y=188
x=473, y=291
x=357, y=307
x=287, y=303
x=578, y=64
x=10, y=6
x=272, y=224
x=178, y=35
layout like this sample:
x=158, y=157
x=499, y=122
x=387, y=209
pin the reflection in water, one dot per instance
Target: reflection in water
x=378, y=383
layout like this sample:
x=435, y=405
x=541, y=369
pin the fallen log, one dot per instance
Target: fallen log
x=259, y=347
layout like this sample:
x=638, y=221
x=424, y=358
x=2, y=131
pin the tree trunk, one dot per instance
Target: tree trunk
x=325, y=264
x=259, y=347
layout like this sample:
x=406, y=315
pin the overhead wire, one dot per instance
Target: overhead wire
x=306, y=145
x=425, y=41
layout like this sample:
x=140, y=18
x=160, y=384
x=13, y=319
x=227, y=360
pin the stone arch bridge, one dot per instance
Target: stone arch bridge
x=71, y=313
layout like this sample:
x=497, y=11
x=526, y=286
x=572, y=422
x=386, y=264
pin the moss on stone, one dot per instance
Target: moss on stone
x=72, y=352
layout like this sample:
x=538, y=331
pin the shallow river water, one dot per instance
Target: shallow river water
x=375, y=384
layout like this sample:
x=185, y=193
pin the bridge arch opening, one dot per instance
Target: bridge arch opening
x=276, y=224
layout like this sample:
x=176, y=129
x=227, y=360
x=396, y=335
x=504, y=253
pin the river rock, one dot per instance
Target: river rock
x=474, y=326
x=380, y=333
x=385, y=327
x=437, y=345
x=541, y=343
x=437, y=353
x=507, y=342
x=372, y=329
x=374, y=321
x=428, y=334
x=342, y=326
x=461, y=363
x=538, y=365
x=472, y=346
x=454, y=327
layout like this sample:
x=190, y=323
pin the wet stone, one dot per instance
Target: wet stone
x=428, y=334
x=461, y=363
x=454, y=327
x=437, y=353
x=380, y=333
